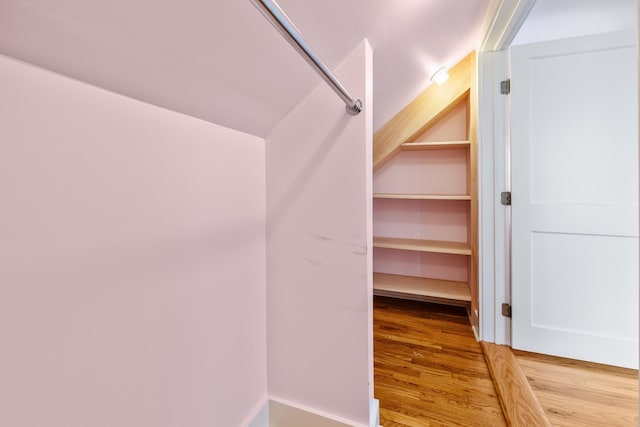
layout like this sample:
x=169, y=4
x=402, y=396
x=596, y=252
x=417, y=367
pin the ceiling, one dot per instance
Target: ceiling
x=558, y=19
x=221, y=61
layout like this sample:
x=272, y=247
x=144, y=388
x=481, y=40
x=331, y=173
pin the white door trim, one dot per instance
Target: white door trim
x=507, y=16
x=493, y=179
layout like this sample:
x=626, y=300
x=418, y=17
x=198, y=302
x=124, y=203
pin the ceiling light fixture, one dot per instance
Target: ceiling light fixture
x=440, y=76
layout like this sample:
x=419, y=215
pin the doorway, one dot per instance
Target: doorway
x=574, y=173
x=568, y=308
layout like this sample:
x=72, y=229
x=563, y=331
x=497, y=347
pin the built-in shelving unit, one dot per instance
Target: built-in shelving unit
x=425, y=197
x=425, y=201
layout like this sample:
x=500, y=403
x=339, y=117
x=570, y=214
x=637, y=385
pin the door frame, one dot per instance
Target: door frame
x=493, y=169
x=507, y=17
x=495, y=225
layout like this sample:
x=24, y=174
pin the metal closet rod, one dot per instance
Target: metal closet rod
x=283, y=24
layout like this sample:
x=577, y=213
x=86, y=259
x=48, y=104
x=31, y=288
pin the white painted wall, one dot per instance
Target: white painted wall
x=319, y=240
x=561, y=19
x=132, y=262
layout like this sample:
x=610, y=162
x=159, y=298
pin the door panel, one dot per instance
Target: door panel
x=574, y=148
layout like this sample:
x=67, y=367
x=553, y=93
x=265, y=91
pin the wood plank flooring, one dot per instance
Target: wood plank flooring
x=520, y=405
x=574, y=393
x=429, y=369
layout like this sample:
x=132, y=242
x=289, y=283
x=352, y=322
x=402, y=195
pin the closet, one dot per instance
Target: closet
x=425, y=197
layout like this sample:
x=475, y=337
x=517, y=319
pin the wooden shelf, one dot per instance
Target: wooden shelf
x=421, y=196
x=434, y=246
x=422, y=289
x=439, y=145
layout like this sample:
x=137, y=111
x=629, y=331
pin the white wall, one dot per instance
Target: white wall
x=561, y=19
x=319, y=280
x=132, y=261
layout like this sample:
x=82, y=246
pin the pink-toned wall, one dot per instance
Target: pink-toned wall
x=132, y=261
x=319, y=280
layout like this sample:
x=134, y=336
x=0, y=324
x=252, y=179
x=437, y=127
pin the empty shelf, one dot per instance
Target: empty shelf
x=421, y=196
x=435, y=246
x=422, y=289
x=439, y=145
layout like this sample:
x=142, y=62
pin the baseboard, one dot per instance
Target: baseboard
x=374, y=413
x=474, y=328
x=277, y=412
x=259, y=416
x=475, y=332
x=283, y=413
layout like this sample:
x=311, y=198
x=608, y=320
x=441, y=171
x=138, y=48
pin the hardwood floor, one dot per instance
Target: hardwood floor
x=429, y=369
x=520, y=404
x=574, y=393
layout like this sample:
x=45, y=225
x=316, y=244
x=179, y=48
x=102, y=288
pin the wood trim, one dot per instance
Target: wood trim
x=472, y=189
x=421, y=289
x=519, y=404
x=421, y=196
x=433, y=246
x=423, y=112
x=439, y=145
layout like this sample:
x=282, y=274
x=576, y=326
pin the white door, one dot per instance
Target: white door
x=574, y=148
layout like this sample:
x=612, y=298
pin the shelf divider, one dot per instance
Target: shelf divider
x=419, y=245
x=437, y=145
x=421, y=196
x=421, y=289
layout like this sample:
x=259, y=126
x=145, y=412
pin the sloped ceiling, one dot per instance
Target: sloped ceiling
x=221, y=61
